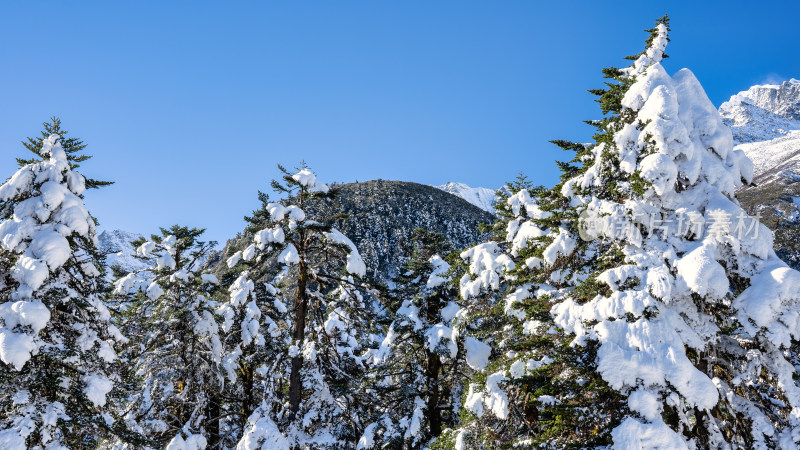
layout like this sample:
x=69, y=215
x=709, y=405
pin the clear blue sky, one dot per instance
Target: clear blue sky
x=188, y=106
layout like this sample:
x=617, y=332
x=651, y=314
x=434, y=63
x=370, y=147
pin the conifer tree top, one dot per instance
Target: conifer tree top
x=72, y=147
x=655, y=45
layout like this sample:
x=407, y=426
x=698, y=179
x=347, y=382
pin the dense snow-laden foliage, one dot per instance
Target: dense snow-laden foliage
x=653, y=269
x=256, y=338
x=321, y=329
x=56, y=341
x=514, y=401
x=420, y=365
x=175, y=352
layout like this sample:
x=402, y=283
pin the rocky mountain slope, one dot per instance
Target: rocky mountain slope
x=765, y=121
x=117, y=245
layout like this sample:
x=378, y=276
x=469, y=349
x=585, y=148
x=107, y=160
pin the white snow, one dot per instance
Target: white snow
x=477, y=353
x=308, y=179
x=367, y=439
x=646, y=403
x=355, y=265
x=523, y=205
x=440, y=267
x=633, y=434
x=487, y=262
x=441, y=334
x=50, y=247
x=15, y=348
x=495, y=397
x=415, y=426
x=154, y=291
x=450, y=311
x=97, y=387
x=11, y=440
x=699, y=271
x=269, y=236
x=192, y=442
x=276, y=211
x=31, y=273
x=562, y=245
x=261, y=433
x=483, y=198
x=295, y=213
x=209, y=278
x=249, y=253
x=492, y=398
x=289, y=255
x=34, y=314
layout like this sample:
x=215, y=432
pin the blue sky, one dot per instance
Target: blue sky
x=188, y=106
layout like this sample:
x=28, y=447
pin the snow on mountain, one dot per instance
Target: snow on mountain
x=483, y=198
x=381, y=219
x=765, y=121
x=117, y=243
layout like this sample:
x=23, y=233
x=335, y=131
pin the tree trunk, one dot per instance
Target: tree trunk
x=432, y=368
x=248, y=394
x=212, y=421
x=300, y=312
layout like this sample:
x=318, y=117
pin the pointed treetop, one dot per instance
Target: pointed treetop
x=655, y=44
x=72, y=147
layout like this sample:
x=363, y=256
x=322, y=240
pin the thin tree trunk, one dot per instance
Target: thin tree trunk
x=248, y=394
x=300, y=312
x=212, y=421
x=432, y=369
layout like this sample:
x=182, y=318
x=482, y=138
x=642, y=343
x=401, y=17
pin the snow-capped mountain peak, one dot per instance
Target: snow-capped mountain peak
x=483, y=198
x=765, y=121
x=781, y=99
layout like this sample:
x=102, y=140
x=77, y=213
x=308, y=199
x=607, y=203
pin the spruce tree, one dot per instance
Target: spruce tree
x=680, y=317
x=175, y=352
x=423, y=359
x=330, y=319
x=56, y=339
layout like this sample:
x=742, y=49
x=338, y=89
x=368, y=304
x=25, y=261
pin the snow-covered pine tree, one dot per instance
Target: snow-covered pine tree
x=673, y=294
x=329, y=316
x=56, y=341
x=256, y=337
x=175, y=352
x=422, y=361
